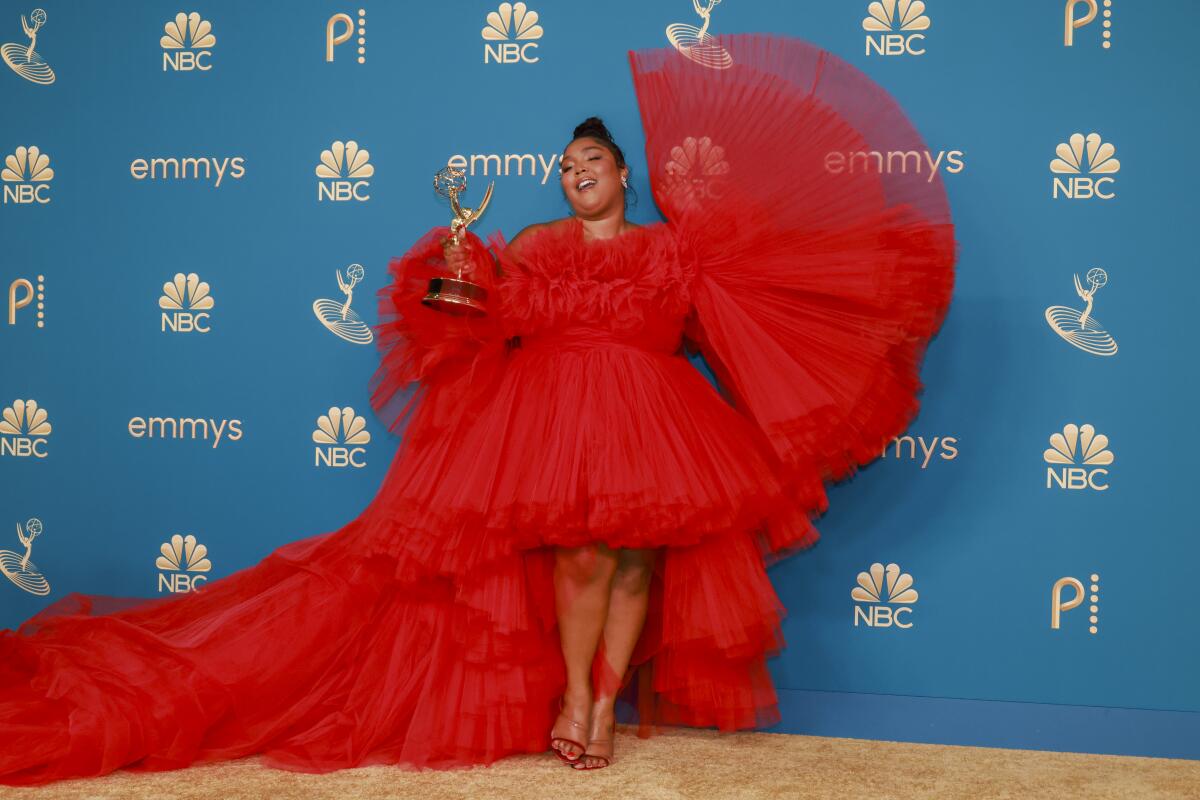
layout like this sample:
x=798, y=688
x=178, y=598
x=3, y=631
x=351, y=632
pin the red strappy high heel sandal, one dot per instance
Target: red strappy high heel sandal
x=582, y=747
x=591, y=751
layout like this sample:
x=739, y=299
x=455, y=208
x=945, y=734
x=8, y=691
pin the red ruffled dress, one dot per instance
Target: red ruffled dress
x=422, y=633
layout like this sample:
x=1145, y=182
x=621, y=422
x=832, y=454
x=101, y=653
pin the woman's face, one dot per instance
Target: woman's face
x=591, y=179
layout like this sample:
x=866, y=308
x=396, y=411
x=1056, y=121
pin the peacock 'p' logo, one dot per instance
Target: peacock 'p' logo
x=187, y=43
x=894, y=27
x=510, y=35
x=341, y=437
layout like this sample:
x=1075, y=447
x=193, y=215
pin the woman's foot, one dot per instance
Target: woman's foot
x=571, y=727
x=599, y=751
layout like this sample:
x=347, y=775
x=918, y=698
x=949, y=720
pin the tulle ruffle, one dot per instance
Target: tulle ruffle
x=825, y=257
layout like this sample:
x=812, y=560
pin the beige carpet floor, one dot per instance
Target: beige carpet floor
x=685, y=764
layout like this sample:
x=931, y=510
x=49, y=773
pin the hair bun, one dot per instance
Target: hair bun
x=592, y=126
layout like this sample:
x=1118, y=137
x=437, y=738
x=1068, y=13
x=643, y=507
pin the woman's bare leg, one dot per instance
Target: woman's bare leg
x=582, y=582
x=626, y=615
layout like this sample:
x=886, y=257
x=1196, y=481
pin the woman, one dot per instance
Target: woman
x=574, y=513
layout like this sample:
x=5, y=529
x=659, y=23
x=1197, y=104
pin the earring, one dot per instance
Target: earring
x=624, y=182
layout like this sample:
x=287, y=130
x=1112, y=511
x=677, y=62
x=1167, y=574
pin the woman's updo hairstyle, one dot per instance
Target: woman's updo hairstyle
x=594, y=127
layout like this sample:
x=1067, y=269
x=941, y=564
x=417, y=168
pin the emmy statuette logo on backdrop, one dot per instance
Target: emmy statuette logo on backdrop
x=888, y=597
x=509, y=35
x=1073, y=20
x=335, y=37
x=1058, y=605
x=182, y=562
x=892, y=26
x=24, y=59
x=1080, y=328
x=343, y=173
x=24, y=427
x=187, y=44
x=26, y=176
x=340, y=437
x=21, y=294
x=18, y=567
x=1088, y=165
x=698, y=44
x=337, y=316
x=1076, y=459
x=186, y=302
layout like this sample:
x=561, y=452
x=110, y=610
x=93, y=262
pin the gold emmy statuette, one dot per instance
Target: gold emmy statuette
x=458, y=295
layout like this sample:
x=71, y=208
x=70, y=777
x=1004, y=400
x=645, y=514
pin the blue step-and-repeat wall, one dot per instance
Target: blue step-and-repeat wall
x=186, y=188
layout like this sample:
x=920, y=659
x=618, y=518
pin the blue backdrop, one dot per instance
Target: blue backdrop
x=975, y=507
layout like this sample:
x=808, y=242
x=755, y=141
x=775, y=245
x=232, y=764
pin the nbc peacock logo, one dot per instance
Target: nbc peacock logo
x=187, y=44
x=337, y=316
x=18, y=567
x=695, y=172
x=24, y=59
x=698, y=44
x=884, y=597
x=182, y=563
x=26, y=175
x=341, y=438
x=511, y=34
x=21, y=295
x=1078, y=327
x=24, y=427
x=1077, y=457
x=894, y=28
x=1058, y=604
x=1073, y=20
x=343, y=171
x=186, y=302
x=1087, y=165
